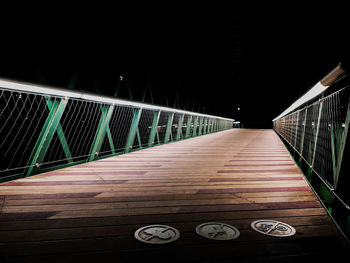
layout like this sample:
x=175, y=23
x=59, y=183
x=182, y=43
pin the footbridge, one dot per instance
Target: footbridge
x=87, y=177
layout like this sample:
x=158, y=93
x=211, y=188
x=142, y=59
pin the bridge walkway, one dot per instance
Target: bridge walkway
x=91, y=211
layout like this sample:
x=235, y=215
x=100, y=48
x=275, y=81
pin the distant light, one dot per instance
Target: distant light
x=238, y=108
x=121, y=78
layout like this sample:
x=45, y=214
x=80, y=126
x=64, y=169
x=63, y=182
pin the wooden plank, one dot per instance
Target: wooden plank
x=162, y=219
x=235, y=176
x=133, y=198
x=123, y=230
x=131, y=205
x=129, y=242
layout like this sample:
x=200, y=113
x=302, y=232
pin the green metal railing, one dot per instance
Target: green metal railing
x=43, y=128
x=315, y=129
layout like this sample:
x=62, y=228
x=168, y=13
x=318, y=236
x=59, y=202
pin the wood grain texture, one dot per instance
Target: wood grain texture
x=91, y=211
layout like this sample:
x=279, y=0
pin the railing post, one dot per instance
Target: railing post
x=179, y=127
x=296, y=130
x=200, y=126
x=205, y=129
x=195, y=123
x=61, y=136
x=133, y=129
x=340, y=152
x=107, y=112
x=188, y=128
x=46, y=135
x=303, y=134
x=317, y=131
x=168, y=127
x=110, y=140
x=209, y=125
x=153, y=132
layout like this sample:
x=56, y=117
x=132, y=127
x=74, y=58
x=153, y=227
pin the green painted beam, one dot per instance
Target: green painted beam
x=343, y=140
x=64, y=144
x=214, y=126
x=334, y=155
x=317, y=131
x=138, y=137
x=195, y=124
x=209, y=125
x=179, y=127
x=303, y=134
x=101, y=132
x=206, y=125
x=61, y=135
x=133, y=129
x=296, y=130
x=168, y=127
x=188, y=128
x=110, y=140
x=200, y=131
x=157, y=136
x=46, y=135
x=154, y=128
x=60, y=132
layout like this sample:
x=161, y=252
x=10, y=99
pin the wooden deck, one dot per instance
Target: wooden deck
x=90, y=212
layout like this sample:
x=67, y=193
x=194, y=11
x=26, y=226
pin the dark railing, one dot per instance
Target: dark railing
x=315, y=129
x=43, y=128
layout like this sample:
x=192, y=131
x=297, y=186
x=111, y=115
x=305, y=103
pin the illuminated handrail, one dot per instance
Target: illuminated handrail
x=46, y=90
x=315, y=91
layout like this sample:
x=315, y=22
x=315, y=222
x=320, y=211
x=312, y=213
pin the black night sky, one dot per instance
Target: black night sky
x=208, y=58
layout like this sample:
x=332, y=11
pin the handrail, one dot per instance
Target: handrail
x=53, y=91
x=319, y=88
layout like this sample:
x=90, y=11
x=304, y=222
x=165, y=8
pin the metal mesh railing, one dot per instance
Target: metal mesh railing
x=317, y=131
x=43, y=128
x=317, y=134
x=320, y=130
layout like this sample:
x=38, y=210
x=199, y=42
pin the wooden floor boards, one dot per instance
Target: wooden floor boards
x=90, y=212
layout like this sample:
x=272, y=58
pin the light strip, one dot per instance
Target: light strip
x=40, y=89
x=312, y=93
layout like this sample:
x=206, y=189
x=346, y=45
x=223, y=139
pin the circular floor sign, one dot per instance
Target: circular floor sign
x=217, y=231
x=273, y=228
x=157, y=234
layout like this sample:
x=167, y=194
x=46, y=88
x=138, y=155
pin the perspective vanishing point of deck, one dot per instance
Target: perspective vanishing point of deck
x=91, y=211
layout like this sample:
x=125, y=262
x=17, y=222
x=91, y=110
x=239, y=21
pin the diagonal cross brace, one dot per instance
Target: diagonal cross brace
x=340, y=149
x=61, y=135
x=133, y=129
x=46, y=135
x=195, y=124
x=179, y=127
x=102, y=130
x=168, y=128
x=153, y=132
x=188, y=128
